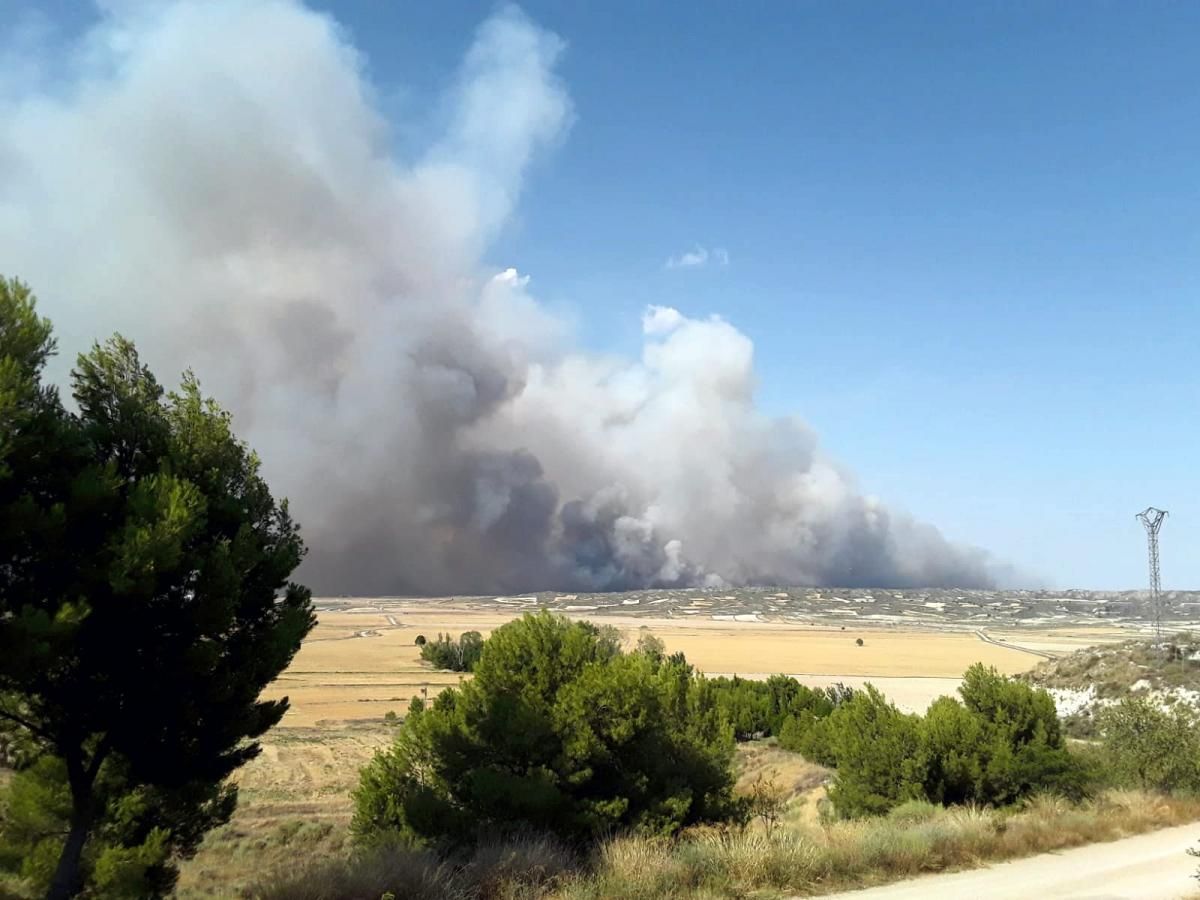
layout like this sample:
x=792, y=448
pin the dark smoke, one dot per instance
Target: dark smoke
x=214, y=180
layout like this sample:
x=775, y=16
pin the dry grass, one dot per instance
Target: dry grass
x=234, y=858
x=795, y=774
x=523, y=869
x=801, y=782
x=294, y=803
x=710, y=863
x=808, y=861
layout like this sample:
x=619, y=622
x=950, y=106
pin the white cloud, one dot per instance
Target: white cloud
x=661, y=320
x=698, y=257
x=511, y=277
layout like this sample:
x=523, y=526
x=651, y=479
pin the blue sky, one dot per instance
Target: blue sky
x=963, y=237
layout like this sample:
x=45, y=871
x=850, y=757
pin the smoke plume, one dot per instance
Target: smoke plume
x=215, y=180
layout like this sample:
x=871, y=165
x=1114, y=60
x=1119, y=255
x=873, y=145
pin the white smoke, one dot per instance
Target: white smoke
x=213, y=179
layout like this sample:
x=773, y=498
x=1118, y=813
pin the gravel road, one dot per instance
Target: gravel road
x=1152, y=866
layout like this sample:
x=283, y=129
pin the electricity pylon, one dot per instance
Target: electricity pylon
x=1153, y=518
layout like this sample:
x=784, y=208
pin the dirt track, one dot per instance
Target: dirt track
x=1152, y=866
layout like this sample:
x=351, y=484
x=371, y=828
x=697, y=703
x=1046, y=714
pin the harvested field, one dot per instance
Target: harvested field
x=294, y=800
x=361, y=661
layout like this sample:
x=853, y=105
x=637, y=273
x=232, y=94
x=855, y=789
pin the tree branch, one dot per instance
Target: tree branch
x=26, y=724
x=98, y=757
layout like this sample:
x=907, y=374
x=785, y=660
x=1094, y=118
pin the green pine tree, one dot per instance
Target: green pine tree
x=144, y=593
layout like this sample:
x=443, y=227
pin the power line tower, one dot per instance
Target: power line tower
x=1152, y=519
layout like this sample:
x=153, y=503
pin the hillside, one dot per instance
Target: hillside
x=1084, y=682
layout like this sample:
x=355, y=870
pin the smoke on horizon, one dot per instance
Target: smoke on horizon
x=215, y=180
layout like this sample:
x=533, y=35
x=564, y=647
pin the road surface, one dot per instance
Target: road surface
x=1152, y=866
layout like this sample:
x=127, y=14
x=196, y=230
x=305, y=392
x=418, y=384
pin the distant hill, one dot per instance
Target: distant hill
x=1086, y=681
x=933, y=607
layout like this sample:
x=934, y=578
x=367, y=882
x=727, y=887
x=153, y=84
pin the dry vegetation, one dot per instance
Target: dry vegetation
x=1090, y=679
x=295, y=806
x=728, y=863
x=294, y=803
x=1115, y=670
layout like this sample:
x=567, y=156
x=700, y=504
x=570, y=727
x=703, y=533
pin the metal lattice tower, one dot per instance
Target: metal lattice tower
x=1152, y=519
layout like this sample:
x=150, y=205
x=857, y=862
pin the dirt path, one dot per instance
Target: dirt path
x=1152, y=866
x=988, y=639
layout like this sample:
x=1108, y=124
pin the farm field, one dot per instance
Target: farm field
x=360, y=662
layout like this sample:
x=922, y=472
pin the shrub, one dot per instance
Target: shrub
x=810, y=737
x=807, y=731
x=1149, y=747
x=651, y=646
x=561, y=732
x=955, y=751
x=760, y=708
x=1021, y=749
x=1002, y=742
x=766, y=801
x=792, y=733
x=879, y=755
x=420, y=641
x=745, y=704
x=458, y=656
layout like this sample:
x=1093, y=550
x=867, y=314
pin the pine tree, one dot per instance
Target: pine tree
x=144, y=565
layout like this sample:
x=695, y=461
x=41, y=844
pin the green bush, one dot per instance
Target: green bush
x=1021, y=749
x=955, y=750
x=879, y=755
x=809, y=736
x=560, y=732
x=1149, y=747
x=1000, y=743
x=745, y=704
x=457, y=656
x=761, y=708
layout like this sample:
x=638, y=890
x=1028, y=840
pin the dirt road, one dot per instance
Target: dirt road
x=1147, y=867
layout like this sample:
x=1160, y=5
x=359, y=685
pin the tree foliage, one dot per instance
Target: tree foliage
x=144, y=600
x=1147, y=746
x=1000, y=743
x=139, y=834
x=878, y=752
x=761, y=708
x=558, y=731
x=1020, y=748
x=447, y=653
